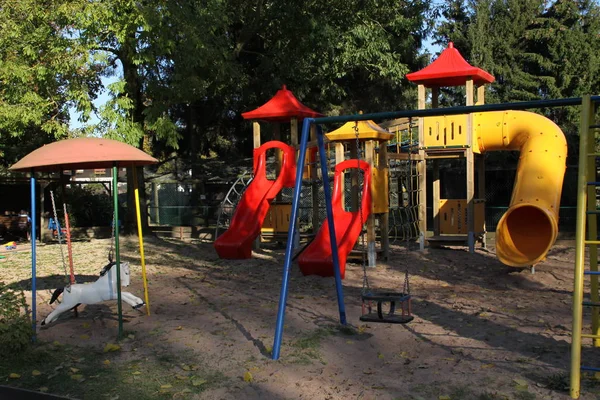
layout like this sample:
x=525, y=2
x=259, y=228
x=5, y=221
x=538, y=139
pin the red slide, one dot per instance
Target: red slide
x=236, y=241
x=316, y=258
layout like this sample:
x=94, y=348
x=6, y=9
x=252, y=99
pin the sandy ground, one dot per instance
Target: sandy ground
x=481, y=330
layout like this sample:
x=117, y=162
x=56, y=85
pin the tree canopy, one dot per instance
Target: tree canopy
x=184, y=71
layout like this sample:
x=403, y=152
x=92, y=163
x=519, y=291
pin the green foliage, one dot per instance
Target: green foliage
x=89, y=205
x=535, y=49
x=15, y=325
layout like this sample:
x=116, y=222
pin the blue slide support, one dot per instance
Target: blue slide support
x=292, y=229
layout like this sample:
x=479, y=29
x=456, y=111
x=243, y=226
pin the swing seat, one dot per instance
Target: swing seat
x=390, y=317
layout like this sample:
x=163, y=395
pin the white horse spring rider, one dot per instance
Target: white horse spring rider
x=105, y=288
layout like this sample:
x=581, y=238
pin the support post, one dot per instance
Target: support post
x=384, y=219
x=33, y=256
x=480, y=95
x=294, y=131
x=115, y=172
x=436, y=197
x=371, y=253
x=314, y=187
x=354, y=154
x=339, y=157
x=256, y=134
x=470, y=171
x=582, y=179
x=481, y=192
x=140, y=237
x=422, y=171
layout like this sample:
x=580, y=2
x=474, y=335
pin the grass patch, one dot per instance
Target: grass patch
x=306, y=349
x=91, y=374
x=558, y=382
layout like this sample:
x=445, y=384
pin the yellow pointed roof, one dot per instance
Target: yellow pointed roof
x=367, y=130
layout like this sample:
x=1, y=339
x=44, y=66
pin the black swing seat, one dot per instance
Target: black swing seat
x=390, y=317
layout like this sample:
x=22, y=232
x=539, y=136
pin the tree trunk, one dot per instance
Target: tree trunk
x=133, y=87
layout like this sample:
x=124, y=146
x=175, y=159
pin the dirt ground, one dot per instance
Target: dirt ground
x=481, y=330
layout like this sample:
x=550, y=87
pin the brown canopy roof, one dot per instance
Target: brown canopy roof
x=82, y=153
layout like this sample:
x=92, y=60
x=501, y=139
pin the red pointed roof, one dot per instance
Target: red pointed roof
x=449, y=69
x=282, y=107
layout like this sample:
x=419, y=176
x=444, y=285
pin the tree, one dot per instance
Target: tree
x=43, y=72
x=190, y=68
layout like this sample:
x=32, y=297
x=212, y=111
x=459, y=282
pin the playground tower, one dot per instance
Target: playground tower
x=455, y=221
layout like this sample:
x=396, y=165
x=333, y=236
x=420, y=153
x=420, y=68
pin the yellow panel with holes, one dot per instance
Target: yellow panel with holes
x=445, y=131
x=453, y=216
x=379, y=190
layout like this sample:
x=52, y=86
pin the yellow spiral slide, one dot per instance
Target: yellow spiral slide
x=529, y=227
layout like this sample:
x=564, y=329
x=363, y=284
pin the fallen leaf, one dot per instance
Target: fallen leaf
x=77, y=377
x=111, y=347
x=185, y=367
x=487, y=366
x=43, y=389
x=444, y=397
x=106, y=362
x=167, y=386
x=380, y=356
x=179, y=328
x=181, y=377
x=57, y=343
x=74, y=370
x=248, y=377
x=131, y=336
x=198, y=381
x=35, y=372
x=85, y=325
x=14, y=376
x=521, y=384
x=136, y=373
x=84, y=337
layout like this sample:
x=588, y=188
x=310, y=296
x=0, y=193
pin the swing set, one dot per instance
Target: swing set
x=369, y=297
x=373, y=302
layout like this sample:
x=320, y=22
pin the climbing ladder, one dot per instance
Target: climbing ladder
x=587, y=212
x=229, y=203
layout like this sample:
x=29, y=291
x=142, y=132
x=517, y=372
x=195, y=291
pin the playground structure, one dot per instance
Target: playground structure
x=86, y=153
x=456, y=221
x=246, y=223
x=316, y=259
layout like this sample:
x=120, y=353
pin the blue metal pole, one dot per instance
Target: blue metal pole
x=32, y=215
x=330, y=222
x=290, y=241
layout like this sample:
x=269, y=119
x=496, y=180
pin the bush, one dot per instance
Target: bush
x=15, y=325
x=89, y=206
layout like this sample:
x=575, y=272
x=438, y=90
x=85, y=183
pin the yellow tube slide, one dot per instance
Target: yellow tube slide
x=529, y=227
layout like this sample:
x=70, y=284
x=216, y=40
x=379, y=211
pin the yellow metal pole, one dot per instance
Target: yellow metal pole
x=592, y=227
x=141, y=237
x=575, y=380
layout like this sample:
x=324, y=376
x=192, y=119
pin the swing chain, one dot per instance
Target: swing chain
x=59, y=234
x=365, y=287
x=406, y=290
